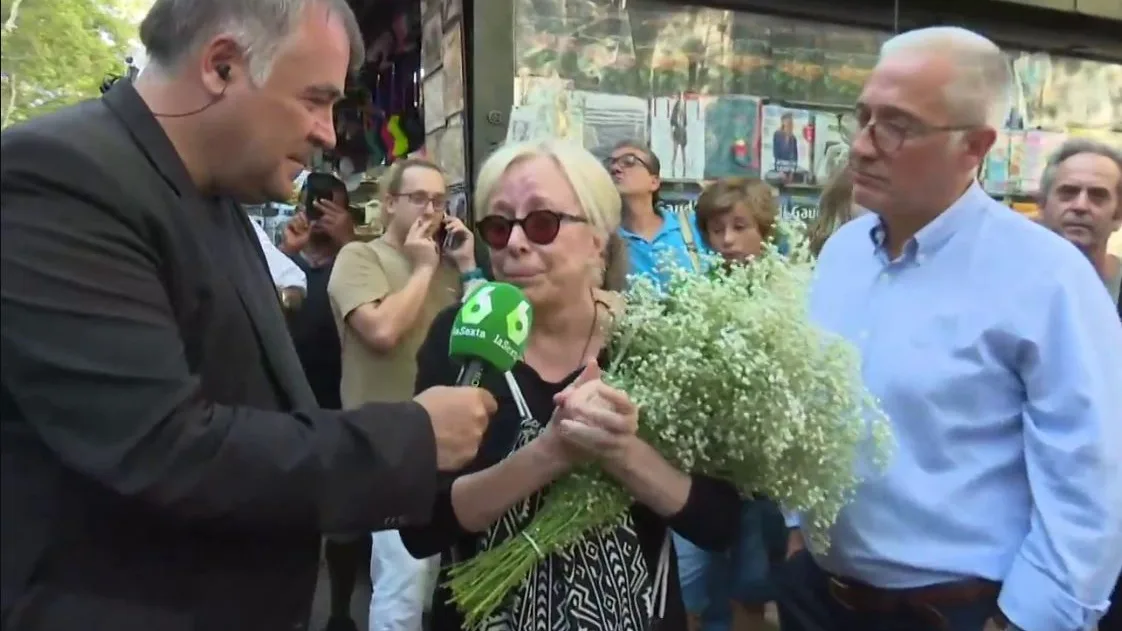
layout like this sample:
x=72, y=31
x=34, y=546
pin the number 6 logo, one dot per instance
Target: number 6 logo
x=479, y=307
x=518, y=323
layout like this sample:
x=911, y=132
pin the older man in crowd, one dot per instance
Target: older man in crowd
x=165, y=464
x=1081, y=200
x=993, y=349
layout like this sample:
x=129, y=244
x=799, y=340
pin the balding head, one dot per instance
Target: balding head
x=977, y=89
x=174, y=30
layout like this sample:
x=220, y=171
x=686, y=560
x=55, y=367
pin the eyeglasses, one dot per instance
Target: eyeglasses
x=626, y=161
x=888, y=136
x=420, y=199
x=539, y=226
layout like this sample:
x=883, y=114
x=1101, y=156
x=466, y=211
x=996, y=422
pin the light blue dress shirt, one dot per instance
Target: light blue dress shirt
x=997, y=354
x=646, y=256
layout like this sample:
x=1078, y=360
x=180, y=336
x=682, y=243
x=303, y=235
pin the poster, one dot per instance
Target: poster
x=433, y=92
x=609, y=119
x=550, y=112
x=833, y=134
x=732, y=136
x=1038, y=147
x=453, y=70
x=787, y=138
x=995, y=170
x=678, y=136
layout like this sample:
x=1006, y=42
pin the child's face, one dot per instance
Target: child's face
x=735, y=235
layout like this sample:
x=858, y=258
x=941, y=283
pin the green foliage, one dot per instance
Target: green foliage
x=57, y=52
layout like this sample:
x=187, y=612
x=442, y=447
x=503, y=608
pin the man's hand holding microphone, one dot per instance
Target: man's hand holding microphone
x=459, y=416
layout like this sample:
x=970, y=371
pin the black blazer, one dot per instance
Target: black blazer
x=164, y=466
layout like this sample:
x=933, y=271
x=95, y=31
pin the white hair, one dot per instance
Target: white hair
x=174, y=28
x=981, y=90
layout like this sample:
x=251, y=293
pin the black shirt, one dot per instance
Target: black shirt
x=315, y=337
x=710, y=517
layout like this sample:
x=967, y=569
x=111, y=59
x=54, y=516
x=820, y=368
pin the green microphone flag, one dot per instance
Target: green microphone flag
x=491, y=330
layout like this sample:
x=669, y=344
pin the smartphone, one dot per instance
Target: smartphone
x=319, y=186
x=447, y=240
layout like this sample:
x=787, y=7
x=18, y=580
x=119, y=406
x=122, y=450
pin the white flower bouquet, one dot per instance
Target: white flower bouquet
x=732, y=380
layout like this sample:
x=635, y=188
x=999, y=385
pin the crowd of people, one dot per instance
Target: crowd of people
x=184, y=435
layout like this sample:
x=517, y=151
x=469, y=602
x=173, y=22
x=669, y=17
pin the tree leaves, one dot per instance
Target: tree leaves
x=57, y=52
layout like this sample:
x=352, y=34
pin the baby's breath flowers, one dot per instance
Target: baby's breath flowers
x=732, y=380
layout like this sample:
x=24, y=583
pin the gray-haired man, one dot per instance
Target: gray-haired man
x=165, y=464
x=1081, y=200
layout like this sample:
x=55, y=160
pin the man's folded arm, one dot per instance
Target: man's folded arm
x=94, y=361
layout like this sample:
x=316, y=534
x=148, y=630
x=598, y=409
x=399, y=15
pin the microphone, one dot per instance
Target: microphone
x=490, y=331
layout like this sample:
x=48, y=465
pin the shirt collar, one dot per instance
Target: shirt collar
x=670, y=225
x=934, y=235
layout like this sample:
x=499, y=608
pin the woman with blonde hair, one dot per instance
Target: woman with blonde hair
x=835, y=208
x=548, y=212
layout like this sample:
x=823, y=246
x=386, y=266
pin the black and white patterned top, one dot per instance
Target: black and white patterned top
x=606, y=582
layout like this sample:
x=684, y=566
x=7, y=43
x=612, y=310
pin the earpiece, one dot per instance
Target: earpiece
x=223, y=71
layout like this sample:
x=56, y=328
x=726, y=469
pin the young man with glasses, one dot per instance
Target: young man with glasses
x=384, y=295
x=650, y=233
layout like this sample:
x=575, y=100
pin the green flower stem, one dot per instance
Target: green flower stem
x=481, y=584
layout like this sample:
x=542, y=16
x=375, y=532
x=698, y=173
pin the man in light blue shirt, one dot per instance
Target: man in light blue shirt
x=649, y=232
x=996, y=354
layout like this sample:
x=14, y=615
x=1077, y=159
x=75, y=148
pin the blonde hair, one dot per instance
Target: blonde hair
x=835, y=208
x=596, y=192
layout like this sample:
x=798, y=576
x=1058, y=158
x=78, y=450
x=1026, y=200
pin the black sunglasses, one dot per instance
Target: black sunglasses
x=539, y=226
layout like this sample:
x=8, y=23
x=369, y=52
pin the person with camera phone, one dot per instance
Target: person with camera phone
x=384, y=295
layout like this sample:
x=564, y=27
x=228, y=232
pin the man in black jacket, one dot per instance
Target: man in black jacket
x=164, y=464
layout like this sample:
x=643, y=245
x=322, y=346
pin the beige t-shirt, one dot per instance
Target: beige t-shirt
x=368, y=272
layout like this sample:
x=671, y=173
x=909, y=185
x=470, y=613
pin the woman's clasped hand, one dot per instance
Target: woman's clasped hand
x=594, y=419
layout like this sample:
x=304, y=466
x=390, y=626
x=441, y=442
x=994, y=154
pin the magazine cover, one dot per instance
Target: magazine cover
x=609, y=119
x=995, y=170
x=1016, y=159
x=833, y=133
x=787, y=139
x=678, y=136
x=732, y=136
x=547, y=110
x=1038, y=146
